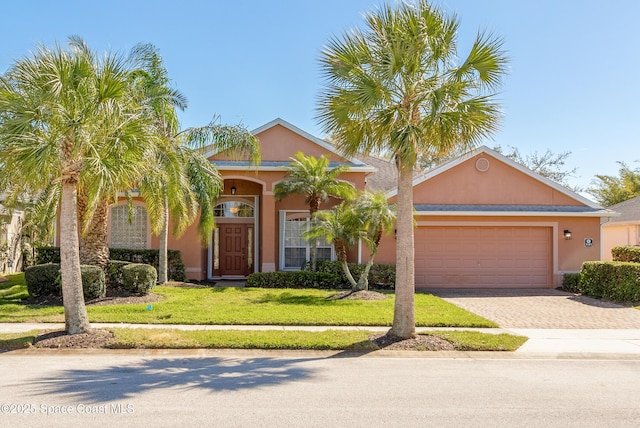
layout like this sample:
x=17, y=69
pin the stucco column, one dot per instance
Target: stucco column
x=269, y=238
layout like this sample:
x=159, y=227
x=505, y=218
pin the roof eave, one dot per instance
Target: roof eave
x=600, y=213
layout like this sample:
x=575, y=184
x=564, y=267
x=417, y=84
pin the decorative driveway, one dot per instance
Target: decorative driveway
x=541, y=308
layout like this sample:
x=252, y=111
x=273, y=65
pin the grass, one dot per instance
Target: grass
x=272, y=339
x=243, y=306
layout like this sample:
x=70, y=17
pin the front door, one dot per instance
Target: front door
x=235, y=249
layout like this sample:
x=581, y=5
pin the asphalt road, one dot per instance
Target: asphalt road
x=122, y=389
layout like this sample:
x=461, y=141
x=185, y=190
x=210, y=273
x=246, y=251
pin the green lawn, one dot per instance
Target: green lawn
x=242, y=306
x=272, y=339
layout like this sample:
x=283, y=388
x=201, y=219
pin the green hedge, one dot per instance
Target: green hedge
x=93, y=283
x=114, y=272
x=175, y=269
x=47, y=255
x=138, y=278
x=295, y=279
x=626, y=253
x=381, y=276
x=45, y=280
x=617, y=281
x=42, y=280
x=571, y=282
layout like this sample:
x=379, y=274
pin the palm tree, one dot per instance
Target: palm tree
x=395, y=87
x=366, y=218
x=312, y=177
x=342, y=228
x=182, y=183
x=379, y=218
x=69, y=117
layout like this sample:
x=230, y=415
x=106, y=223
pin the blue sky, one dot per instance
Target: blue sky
x=573, y=82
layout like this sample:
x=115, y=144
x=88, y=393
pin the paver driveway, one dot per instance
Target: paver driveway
x=541, y=308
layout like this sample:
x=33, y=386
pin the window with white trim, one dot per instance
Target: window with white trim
x=295, y=250
x=125, y=233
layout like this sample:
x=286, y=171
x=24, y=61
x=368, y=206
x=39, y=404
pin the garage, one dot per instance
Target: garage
x=483, y=257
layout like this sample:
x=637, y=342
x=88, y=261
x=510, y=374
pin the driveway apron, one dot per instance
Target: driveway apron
x=541, y=309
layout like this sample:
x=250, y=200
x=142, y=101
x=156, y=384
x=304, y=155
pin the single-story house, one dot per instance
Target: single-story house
x=482, y=220
x=624, y=229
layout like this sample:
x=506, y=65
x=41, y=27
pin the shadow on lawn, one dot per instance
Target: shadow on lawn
x=129, y=380
x=292, y=299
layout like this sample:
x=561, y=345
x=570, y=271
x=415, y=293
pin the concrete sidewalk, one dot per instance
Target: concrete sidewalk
x=542, y=342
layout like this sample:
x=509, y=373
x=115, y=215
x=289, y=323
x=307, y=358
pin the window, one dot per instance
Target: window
x=125, y=233
x=233, y=209
x=295, y=249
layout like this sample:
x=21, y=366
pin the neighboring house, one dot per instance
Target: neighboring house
x=482, y=219
x=622, y=230
x=10, y=239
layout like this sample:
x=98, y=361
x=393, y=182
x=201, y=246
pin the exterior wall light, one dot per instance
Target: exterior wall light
x=233, y=190
x=567, y=234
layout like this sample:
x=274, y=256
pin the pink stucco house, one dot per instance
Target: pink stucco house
x=482, y=220
x=622, y=230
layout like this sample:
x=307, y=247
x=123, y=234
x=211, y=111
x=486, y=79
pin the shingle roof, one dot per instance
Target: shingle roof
x=386, y=176
x=629, y=210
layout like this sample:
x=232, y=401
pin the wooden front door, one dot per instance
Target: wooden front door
x=235, y=249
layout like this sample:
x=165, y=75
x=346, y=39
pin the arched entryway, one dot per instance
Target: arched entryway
x=234, y=248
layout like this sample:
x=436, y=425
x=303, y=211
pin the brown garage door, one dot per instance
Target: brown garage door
x=483, y=257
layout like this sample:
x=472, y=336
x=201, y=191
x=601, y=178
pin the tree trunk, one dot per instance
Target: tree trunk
x=404, y=323
x=341, y=252
x=164, y=237
x=94, y=242
x=314, y=206
x=75, y=312
x=363, y=281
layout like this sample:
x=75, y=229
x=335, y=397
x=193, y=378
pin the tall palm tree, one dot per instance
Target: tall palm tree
x=395, y=87
x=313, y=178
x=68, y=116
x=182, y=183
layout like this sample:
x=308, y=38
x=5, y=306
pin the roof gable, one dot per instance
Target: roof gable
x=494, y=180
x=629, y=211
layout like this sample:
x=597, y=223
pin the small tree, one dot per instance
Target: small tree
x=366, y=219
x=609, y=190
x=313, y=178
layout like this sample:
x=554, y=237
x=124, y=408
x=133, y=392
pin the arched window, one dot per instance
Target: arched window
x=125, y=233
x=233, y=209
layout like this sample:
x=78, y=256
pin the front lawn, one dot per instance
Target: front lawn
x=272, y=339
x=181, y=305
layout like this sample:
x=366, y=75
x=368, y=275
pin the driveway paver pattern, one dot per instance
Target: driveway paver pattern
x=541, y=308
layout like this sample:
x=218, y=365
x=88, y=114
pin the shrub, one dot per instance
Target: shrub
x=45, y=280
x=139, y=278
x=175, y=268
x=626, y=253
x=93, y=284
x=571, y=282
x=42, y=280
x=114, y=270
x=45, y=255
x=295, y=279
x=381, y=276
x=617, y=281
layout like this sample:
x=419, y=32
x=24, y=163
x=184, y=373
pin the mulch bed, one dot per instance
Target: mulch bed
x=95, y=338
x=358, y=295
x=420, y=342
